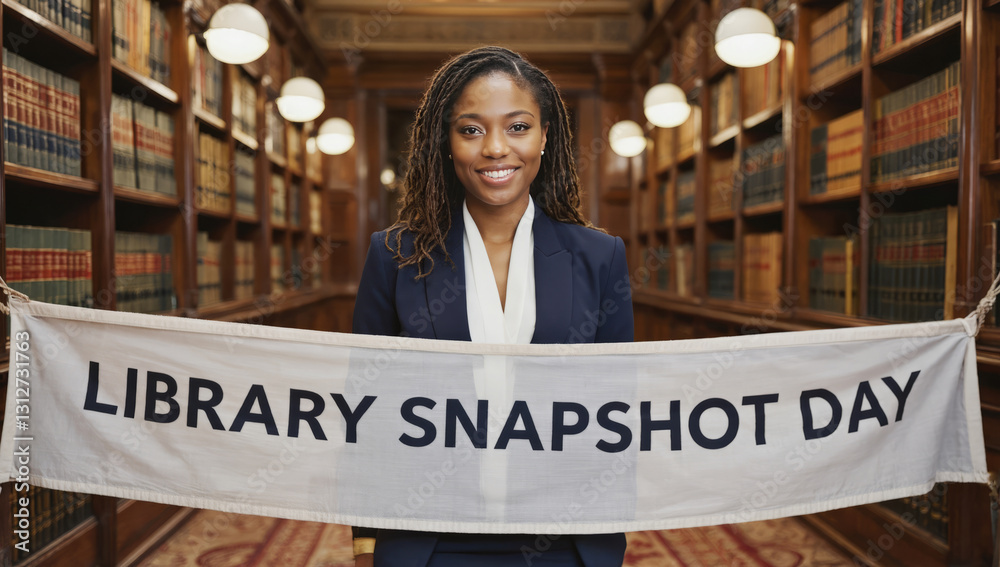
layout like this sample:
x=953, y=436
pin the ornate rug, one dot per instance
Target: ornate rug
x=219, y=539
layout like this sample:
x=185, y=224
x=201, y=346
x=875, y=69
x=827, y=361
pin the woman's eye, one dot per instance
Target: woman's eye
x=520, y=127
x=468, y=130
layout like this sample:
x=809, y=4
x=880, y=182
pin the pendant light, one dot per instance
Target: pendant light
x=301, y=100
x=335, y=136
x=746, y=38
x=665, y=105
x=627, y=138
x=237, y=34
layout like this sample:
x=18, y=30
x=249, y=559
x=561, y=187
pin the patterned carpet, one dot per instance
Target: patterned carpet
x=217, y=539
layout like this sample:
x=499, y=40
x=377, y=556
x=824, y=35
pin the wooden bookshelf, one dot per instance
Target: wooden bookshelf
x=972, y=37
x=117, y=531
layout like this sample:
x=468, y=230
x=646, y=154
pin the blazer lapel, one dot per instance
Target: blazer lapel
x=445, y=287
x=553, y=283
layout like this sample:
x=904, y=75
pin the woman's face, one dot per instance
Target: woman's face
x=496, y=138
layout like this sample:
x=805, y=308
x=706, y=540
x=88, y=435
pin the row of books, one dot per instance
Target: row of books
x=686, y=188
x=41, y=117
x=206, y=80
x=833, y=274
x=315, y=212
x=245, y=168
x=208, y=273
x=665, y=204
x=295, y=146
x=761, y=264
x=52, y=513
x=144, y=278
x=245, y=272
x=916, y=128
x=663, y=148
x=724, y=96
x=279, y=200
x=684, y=269
x=686, y=54
x=74, y=16
x=274, y=141
x=835, y=155
x=721, y=187
x=212, y=191
x=295, y=204
x=914, y=257
x=896, y=20
x=277, y=268
x=763, y=87
x=245, y=105
x=50, y=264
x=721, y=269
x=141, y=37
x=689, y=136
x=835, y=43
x=764, y=172
x=142, y=141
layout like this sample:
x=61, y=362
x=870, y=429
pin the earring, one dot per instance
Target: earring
x=543, y=152
x=449, y=156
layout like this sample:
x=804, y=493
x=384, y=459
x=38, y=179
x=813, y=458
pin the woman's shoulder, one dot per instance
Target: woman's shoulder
x=583, y=238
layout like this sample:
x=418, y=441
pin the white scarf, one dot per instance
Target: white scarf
x=489, y=322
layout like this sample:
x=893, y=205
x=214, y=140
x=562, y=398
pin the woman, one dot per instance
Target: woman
x=490, y=246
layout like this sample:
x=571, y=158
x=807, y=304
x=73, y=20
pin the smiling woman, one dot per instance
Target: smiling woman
x=491, y=247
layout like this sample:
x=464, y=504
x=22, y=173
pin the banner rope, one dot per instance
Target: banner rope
x=985, y=305
x=9, y=291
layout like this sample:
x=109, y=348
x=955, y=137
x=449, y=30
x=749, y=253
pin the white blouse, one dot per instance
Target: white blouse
x=489, y=322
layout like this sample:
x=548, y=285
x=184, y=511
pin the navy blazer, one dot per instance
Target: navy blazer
x=582, y=295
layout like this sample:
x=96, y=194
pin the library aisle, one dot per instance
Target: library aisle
x=217, y=539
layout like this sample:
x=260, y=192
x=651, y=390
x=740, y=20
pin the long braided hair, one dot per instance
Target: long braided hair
x=431, y=190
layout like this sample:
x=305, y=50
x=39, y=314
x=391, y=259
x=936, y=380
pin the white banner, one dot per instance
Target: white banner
x=461, y=437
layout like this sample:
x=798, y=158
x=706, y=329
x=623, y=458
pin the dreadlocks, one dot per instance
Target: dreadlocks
x=431, y=190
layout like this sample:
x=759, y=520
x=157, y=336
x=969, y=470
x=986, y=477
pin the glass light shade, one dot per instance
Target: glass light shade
x=335, y=136
x=388, y=176
x=666, y=106
x=237, y=34
x=301, y=100
x=627, y=138
x=746, y=38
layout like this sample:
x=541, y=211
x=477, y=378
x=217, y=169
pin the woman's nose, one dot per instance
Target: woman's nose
x=495, y=144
